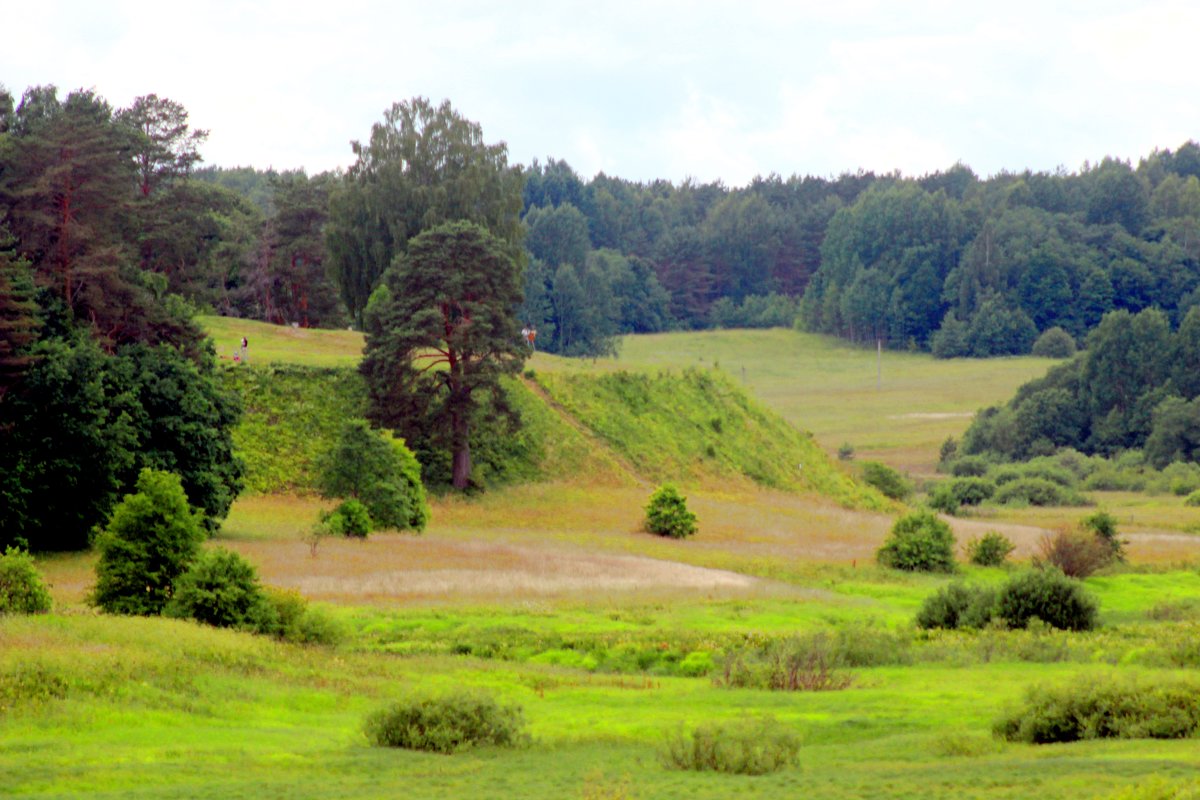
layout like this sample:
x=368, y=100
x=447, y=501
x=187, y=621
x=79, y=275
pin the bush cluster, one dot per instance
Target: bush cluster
x=1078, y=551
x=1033, y=491
x=1105, y=709
x=350, y=518
x=446, y=724
x=379, y=472
x=21, y=588
x=989, y=550
x=887, y=480
x=1046, y=595
x=749, y=747
x=667, y=514
x=219, y=589
x=919, y=542
x=951, y=495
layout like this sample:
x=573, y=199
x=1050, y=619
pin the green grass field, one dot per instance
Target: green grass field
x=548, y=595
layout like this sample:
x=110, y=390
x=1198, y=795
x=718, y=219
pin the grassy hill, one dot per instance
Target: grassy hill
x=585, y=426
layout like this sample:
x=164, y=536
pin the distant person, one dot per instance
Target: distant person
x=531, y=337
x=245, y=344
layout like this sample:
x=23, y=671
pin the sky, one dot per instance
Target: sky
x=646, y=90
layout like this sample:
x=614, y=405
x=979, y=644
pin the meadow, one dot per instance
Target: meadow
x=547, y=594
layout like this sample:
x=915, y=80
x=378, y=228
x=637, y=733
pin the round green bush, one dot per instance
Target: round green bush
x=220, y=589
x=919, y=542
x=1048, y=595
x=378, y=470
x=950, y=495
x=887, y=480
x=21, y=588
x=957, y=606
x=667, y=513
x=989, y=550
x=1054, y=343
x=151, y=539
x=446, y=724
x=1193, y=499
x=969, y=467
x=350, y=519
x=1035, y=492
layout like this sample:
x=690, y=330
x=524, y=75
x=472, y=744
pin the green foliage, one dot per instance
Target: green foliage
x=220, y=588
x=1120, y=708
x=950, y=495
x=1104, y=526
x=919, y=542
x=746, y=747
x=667, y=514
x=887, y=480
x=969, y=467
x=755, y=311
x=381, y=473
x=1192, y=499
x=958, y=606
x=446, y=724
x=989, y=550
x=813, y=663
x=1036, y=492
x=350, y=519
x=22, y=590
x=150, y=540
x=1054, y=343
x=287, y=616
x=846, y=452
x=1047, y=595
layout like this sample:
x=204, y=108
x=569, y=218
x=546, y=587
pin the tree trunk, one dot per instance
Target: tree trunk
x=460, y=440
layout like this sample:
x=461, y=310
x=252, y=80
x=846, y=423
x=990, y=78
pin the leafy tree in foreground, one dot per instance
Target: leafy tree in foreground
x=446, y=311
x=667, y=513
x=919, y=542
x=151, y=539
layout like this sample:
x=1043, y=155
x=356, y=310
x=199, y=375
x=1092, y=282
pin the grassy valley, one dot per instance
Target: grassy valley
x=544, y=592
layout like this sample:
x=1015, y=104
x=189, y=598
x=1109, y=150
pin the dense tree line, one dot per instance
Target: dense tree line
x=102, y=373
x=1136, y=386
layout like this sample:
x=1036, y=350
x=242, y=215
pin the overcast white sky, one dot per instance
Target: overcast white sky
x=645, y=90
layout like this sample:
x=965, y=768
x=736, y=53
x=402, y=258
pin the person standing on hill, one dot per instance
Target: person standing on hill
x=245, y=344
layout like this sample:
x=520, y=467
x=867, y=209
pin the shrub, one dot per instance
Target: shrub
x=846, y=452
x=796, y=664
x=349, y=519
x=220, y=589
x=1193, y=499
x=970, y=467
x=1036, y=492
x=1076, y=552
x=747, y=747
x=887, y=480
x=380, y=472
x=1048, y=595
x=989, y=550
x=287, y=616
x=667, y=513
x=21, y=588
x=151, y=539
x=446, y=724
x=1104, y=526
x=950, y=495
x=1050, y=472
x=1054, y=343
x=1105, y=709
x=919, y=541
x=957, y=606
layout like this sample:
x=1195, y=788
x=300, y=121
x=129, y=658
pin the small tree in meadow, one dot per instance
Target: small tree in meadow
x=667, y=513
x=21, y=588
x=919, y=542
x=221, y=589
x=151, y=539
x=378, y=471
x=989, y=550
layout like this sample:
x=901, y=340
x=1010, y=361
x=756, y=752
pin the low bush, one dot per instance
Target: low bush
x=1105, y=709
x=1104, y=526
x=1048, y=595
x=969, y=467
x=21, y=588
x=446, y=724
x=1193, y=499
x=797, y=664
x=919, y=542
x=1036, y=492
x=989, y=550
x=1037, y=469
x=350, y=518
x=667, y=514
x=949, y=496
x=220, y=589
x=749, y=747
x=957, y=606
x=887, y=480
x=287, y=616
x=1076, y=552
